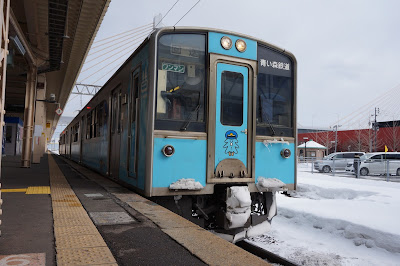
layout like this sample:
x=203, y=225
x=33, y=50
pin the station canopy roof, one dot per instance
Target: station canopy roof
x=54, y=36
x=312, y=145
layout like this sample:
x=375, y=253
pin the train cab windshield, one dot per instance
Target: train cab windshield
x=181, y=82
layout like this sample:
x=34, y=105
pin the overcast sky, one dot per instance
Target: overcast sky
x=348, y=52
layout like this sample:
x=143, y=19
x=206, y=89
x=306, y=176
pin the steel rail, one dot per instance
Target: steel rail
x=264, y=254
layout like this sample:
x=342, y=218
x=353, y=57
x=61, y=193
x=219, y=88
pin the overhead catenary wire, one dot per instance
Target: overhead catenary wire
x=361, y=110
x=110, y=37
x=134, y=37
x=187, y=12
x=166, y=13
x=111, y=70
x=112, y=55
x=134, y=41
x=113, y=41
x=129, y=51
x=387, y=102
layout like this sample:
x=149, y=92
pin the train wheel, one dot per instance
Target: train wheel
x=326, y=169
x=364, y=171
x=398, y=172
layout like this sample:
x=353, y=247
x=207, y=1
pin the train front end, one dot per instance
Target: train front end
x=224, y=130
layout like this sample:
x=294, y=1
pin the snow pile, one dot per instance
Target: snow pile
x=238, y=206
x=334, y=220
x=269, y=184
x=258, y=229
x=317, y=193
x=186, y=184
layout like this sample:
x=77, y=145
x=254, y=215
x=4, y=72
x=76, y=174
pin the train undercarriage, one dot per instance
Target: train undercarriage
x=232, y=211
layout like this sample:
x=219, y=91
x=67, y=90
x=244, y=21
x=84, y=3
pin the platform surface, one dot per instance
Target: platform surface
x=60, y=213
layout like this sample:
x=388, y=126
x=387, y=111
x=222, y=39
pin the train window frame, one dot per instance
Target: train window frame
x=94, y=122
x=185, y=124
x=134, y=93
x=100, y=116
x=269, y=128
x=89, y=125
x=75, y=131
x=115, y=112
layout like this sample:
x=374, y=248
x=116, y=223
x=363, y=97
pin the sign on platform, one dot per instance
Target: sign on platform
x=59, y=111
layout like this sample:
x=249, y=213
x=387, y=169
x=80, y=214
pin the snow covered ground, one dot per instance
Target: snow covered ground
x=337, y=220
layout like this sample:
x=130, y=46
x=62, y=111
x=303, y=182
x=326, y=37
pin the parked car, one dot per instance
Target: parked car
x=338, y=160
x=376, y=163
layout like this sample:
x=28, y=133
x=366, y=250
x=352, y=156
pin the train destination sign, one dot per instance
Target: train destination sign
x=173, y=67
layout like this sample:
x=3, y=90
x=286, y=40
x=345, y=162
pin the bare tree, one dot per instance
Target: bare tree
x=392, y=134
x=358, y=140
x=326, y=138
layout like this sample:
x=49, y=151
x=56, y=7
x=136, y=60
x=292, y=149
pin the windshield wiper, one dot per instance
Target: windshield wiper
x=266, y=116
x=189, y=120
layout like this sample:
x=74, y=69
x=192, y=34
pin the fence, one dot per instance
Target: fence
x=381, y=169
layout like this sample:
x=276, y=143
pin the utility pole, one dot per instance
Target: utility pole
x=376, y=127
x=335, y=128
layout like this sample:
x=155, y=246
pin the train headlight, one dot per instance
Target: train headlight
x=241, y=45
x=226, y=42
x=168, y=150
x=285, y=153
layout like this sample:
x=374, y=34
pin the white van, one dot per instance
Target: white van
x=337, y=160
x=376, y=163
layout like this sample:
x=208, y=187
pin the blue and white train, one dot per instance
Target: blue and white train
x=199, y=120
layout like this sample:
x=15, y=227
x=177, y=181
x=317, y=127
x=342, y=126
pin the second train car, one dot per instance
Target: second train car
x=201, y=121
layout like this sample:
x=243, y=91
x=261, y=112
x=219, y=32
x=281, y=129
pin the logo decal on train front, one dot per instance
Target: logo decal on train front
x=231, y=143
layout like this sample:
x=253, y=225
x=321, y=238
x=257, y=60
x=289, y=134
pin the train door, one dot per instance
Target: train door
x=115, y=132
x=81, y=134
x=71, y=139
x=232, y=124
x=133, y=132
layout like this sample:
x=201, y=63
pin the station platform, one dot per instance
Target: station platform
x=60, y=213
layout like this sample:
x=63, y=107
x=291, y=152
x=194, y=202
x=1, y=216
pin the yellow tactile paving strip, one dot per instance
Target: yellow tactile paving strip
x=208, y=247
x=29, y=190
x=14, y=190
x=38, y=190
x=77, y=240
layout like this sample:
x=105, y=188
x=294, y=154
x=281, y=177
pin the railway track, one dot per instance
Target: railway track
x=264, y=254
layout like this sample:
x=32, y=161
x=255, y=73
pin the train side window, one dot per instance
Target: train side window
x=100, y=111
x=89, y=125
x=134, y=93
x=76, y=132
x=119, y=113
x=114, y=111
x=94, y=122
x=231, y=98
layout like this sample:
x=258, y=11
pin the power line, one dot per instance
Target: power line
x=118, y=65
x=187, y=12
x=166, y=13
x=134, y=37
x=84, y=70
x=130, y=51
x=142, y=30
x=146, y=25
x=138, y=41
